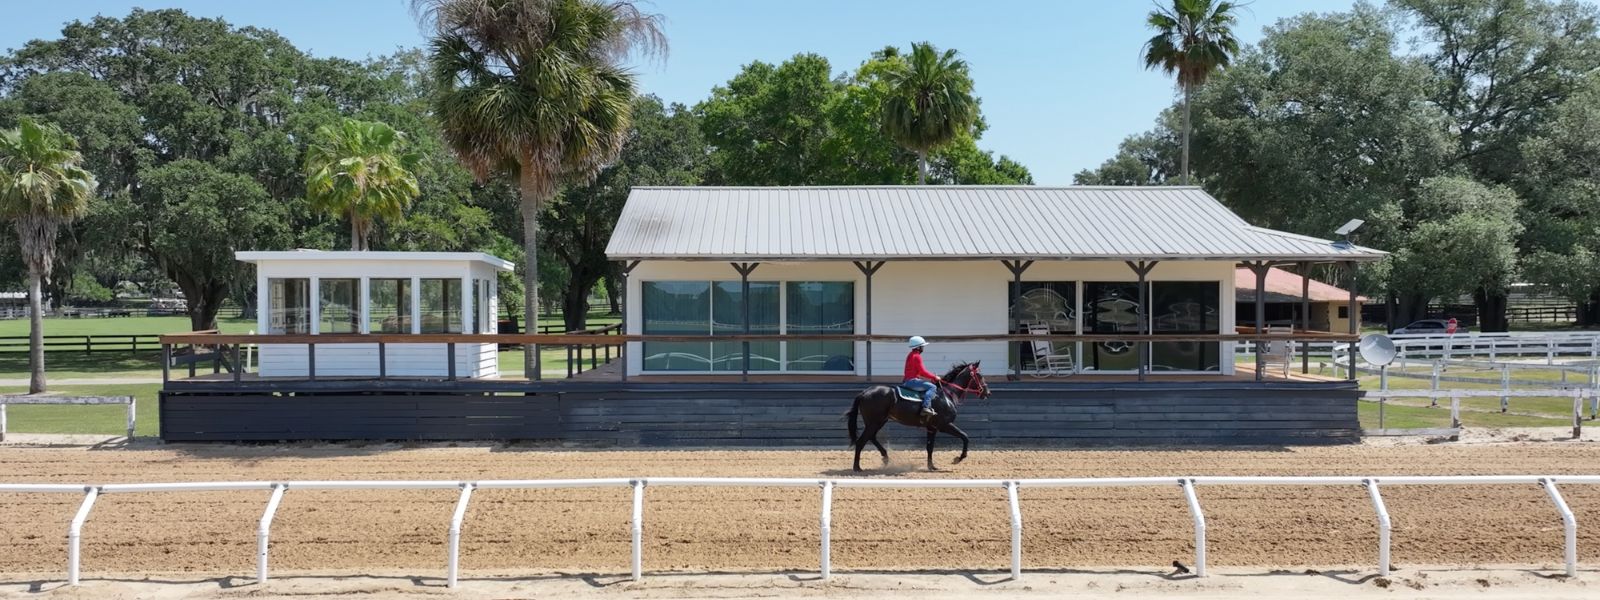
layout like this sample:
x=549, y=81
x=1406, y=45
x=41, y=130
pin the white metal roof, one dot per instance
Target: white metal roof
x=950, y=223
x=257, y=256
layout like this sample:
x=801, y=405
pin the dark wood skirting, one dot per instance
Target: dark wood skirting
x=769, y=414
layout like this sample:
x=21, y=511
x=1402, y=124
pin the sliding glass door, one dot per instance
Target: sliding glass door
x=717, y=309
x=1112, y=307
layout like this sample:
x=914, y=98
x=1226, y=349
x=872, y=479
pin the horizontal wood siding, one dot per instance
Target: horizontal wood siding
x=733, y=415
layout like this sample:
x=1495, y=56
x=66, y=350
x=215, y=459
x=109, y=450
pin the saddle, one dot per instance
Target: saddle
x=908, y=394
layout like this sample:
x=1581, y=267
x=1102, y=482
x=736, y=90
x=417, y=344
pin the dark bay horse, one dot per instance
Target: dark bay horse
x=879, y=404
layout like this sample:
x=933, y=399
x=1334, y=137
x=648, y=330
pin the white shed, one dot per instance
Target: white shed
x=314, y=292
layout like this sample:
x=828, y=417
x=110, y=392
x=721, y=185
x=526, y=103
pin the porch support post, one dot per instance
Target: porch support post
x=1142, y=269
x=1355, y=320
x=1260, y=268
x=1016, y=267
x=869, y=268
x=745, y=269
x=627, y=267
x=1305, y=313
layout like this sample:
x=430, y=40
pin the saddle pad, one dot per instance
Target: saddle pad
x=905, y=394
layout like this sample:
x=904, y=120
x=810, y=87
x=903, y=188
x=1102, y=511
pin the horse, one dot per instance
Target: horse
x=879, y=404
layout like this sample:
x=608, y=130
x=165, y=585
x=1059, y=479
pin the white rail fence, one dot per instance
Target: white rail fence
x=1577, y=395
x=1012, y=487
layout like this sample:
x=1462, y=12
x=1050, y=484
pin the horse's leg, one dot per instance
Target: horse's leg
x=931, y=434
x=868, y=434
x=951, y=429
x=884, y=452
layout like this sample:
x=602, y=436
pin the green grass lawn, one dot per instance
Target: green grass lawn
x=119, y=326
x=106, y=419
x=1418, y=417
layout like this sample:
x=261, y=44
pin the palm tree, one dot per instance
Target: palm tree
x=360, y=170
x=42, y=185
x=535, y=89
x=1193, y=39
x=931, y=102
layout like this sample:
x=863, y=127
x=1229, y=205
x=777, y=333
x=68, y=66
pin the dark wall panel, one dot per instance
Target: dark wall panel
x=756, y=415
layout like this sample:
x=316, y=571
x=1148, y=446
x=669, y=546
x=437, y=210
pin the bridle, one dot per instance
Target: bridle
x=961, y=390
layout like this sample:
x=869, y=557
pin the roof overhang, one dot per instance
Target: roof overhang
x=258, y=256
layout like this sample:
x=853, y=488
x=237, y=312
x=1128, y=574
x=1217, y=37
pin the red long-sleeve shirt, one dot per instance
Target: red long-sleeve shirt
x=915, y=370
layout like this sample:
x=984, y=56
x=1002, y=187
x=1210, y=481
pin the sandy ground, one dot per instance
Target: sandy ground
x=198, y=537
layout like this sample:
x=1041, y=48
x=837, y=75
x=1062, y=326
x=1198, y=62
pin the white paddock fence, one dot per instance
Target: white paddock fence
x=1187, y=485
x=1577, y=395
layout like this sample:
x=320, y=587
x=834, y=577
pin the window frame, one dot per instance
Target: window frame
x=782, y=286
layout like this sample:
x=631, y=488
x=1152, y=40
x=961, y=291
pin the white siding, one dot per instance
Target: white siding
x=932, y=298
x=361, y=360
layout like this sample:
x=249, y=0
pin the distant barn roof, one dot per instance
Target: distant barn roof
x=1283, y=286
x=949, y=223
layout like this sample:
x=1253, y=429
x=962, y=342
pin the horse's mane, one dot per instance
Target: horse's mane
x=956, y=370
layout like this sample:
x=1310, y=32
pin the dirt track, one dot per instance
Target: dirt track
x=770, y=530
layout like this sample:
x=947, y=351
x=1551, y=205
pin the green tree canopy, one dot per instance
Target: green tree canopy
x=930, y=102
x=360, y=170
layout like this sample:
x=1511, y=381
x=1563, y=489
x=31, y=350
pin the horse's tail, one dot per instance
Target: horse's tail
x=850, y=417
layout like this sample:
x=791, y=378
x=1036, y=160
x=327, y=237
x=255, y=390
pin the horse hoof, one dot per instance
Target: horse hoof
x=932, y=468
x=857, y=468
x=958, y=460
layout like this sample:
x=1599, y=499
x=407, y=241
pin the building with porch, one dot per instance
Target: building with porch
x=1291, y=298
x=941, y=261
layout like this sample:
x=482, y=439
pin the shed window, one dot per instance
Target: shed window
x=289, y=306
x=389, y=307
x=1344, y=312
x=441, y=305
x=339, y=308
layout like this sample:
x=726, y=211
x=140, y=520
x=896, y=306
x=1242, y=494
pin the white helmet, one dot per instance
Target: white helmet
x=916, y=341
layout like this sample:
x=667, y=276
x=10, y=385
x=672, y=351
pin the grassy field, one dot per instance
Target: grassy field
x=119, y=326
x=106, y=419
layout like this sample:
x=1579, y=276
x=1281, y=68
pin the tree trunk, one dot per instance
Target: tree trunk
x=1589, y=310
x=613, y=293
x=533, y=191
x=1185, y=167
x=922, y=167
x=1491, y=310
x=356, y=235
x=1412, y=307
x=35, y=333
x=575, y=301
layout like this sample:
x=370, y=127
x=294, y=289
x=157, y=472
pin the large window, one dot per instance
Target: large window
x=1052, y=304
x=1184, y=307
x=1112, y=308
x=339, y=306
x=390, y=305
x=289, y=306
x=717, y=309
x=820, y=308
x=727, y=318
x=677, y=308
x=441, y=305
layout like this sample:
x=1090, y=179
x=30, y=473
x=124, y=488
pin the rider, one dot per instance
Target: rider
x=917, y=376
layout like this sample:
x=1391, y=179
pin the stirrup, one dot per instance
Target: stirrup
x=929, y=411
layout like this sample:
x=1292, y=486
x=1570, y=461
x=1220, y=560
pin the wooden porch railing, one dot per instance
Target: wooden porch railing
x=600, y=342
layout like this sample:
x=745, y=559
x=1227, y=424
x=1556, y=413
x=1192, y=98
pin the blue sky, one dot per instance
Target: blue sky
x=1060, y=80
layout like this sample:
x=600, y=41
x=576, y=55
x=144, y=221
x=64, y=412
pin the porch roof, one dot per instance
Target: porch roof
x=950, y=223
x=1283, y=286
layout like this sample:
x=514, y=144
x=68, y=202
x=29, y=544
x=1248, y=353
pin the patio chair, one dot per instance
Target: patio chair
x=1279, y=353
x=1047, y=362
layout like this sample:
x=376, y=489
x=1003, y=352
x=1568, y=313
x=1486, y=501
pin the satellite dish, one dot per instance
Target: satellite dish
x=1377, y=349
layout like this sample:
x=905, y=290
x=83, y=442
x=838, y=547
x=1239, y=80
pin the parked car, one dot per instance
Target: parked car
x=1434, y=326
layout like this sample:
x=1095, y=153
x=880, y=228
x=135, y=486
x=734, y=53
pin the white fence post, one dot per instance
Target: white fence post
x=1016, y=531
x=264, y=530
x=1199, y=527
x=1568, y=522
x=454, y=568
x=1577, y=414
x=1434, y=385
x=1455, y=409
x=75, y=533
x=827, y=530
x=1383, y=526
x=1505, y=387
x=133, y=403
x=638, y=529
